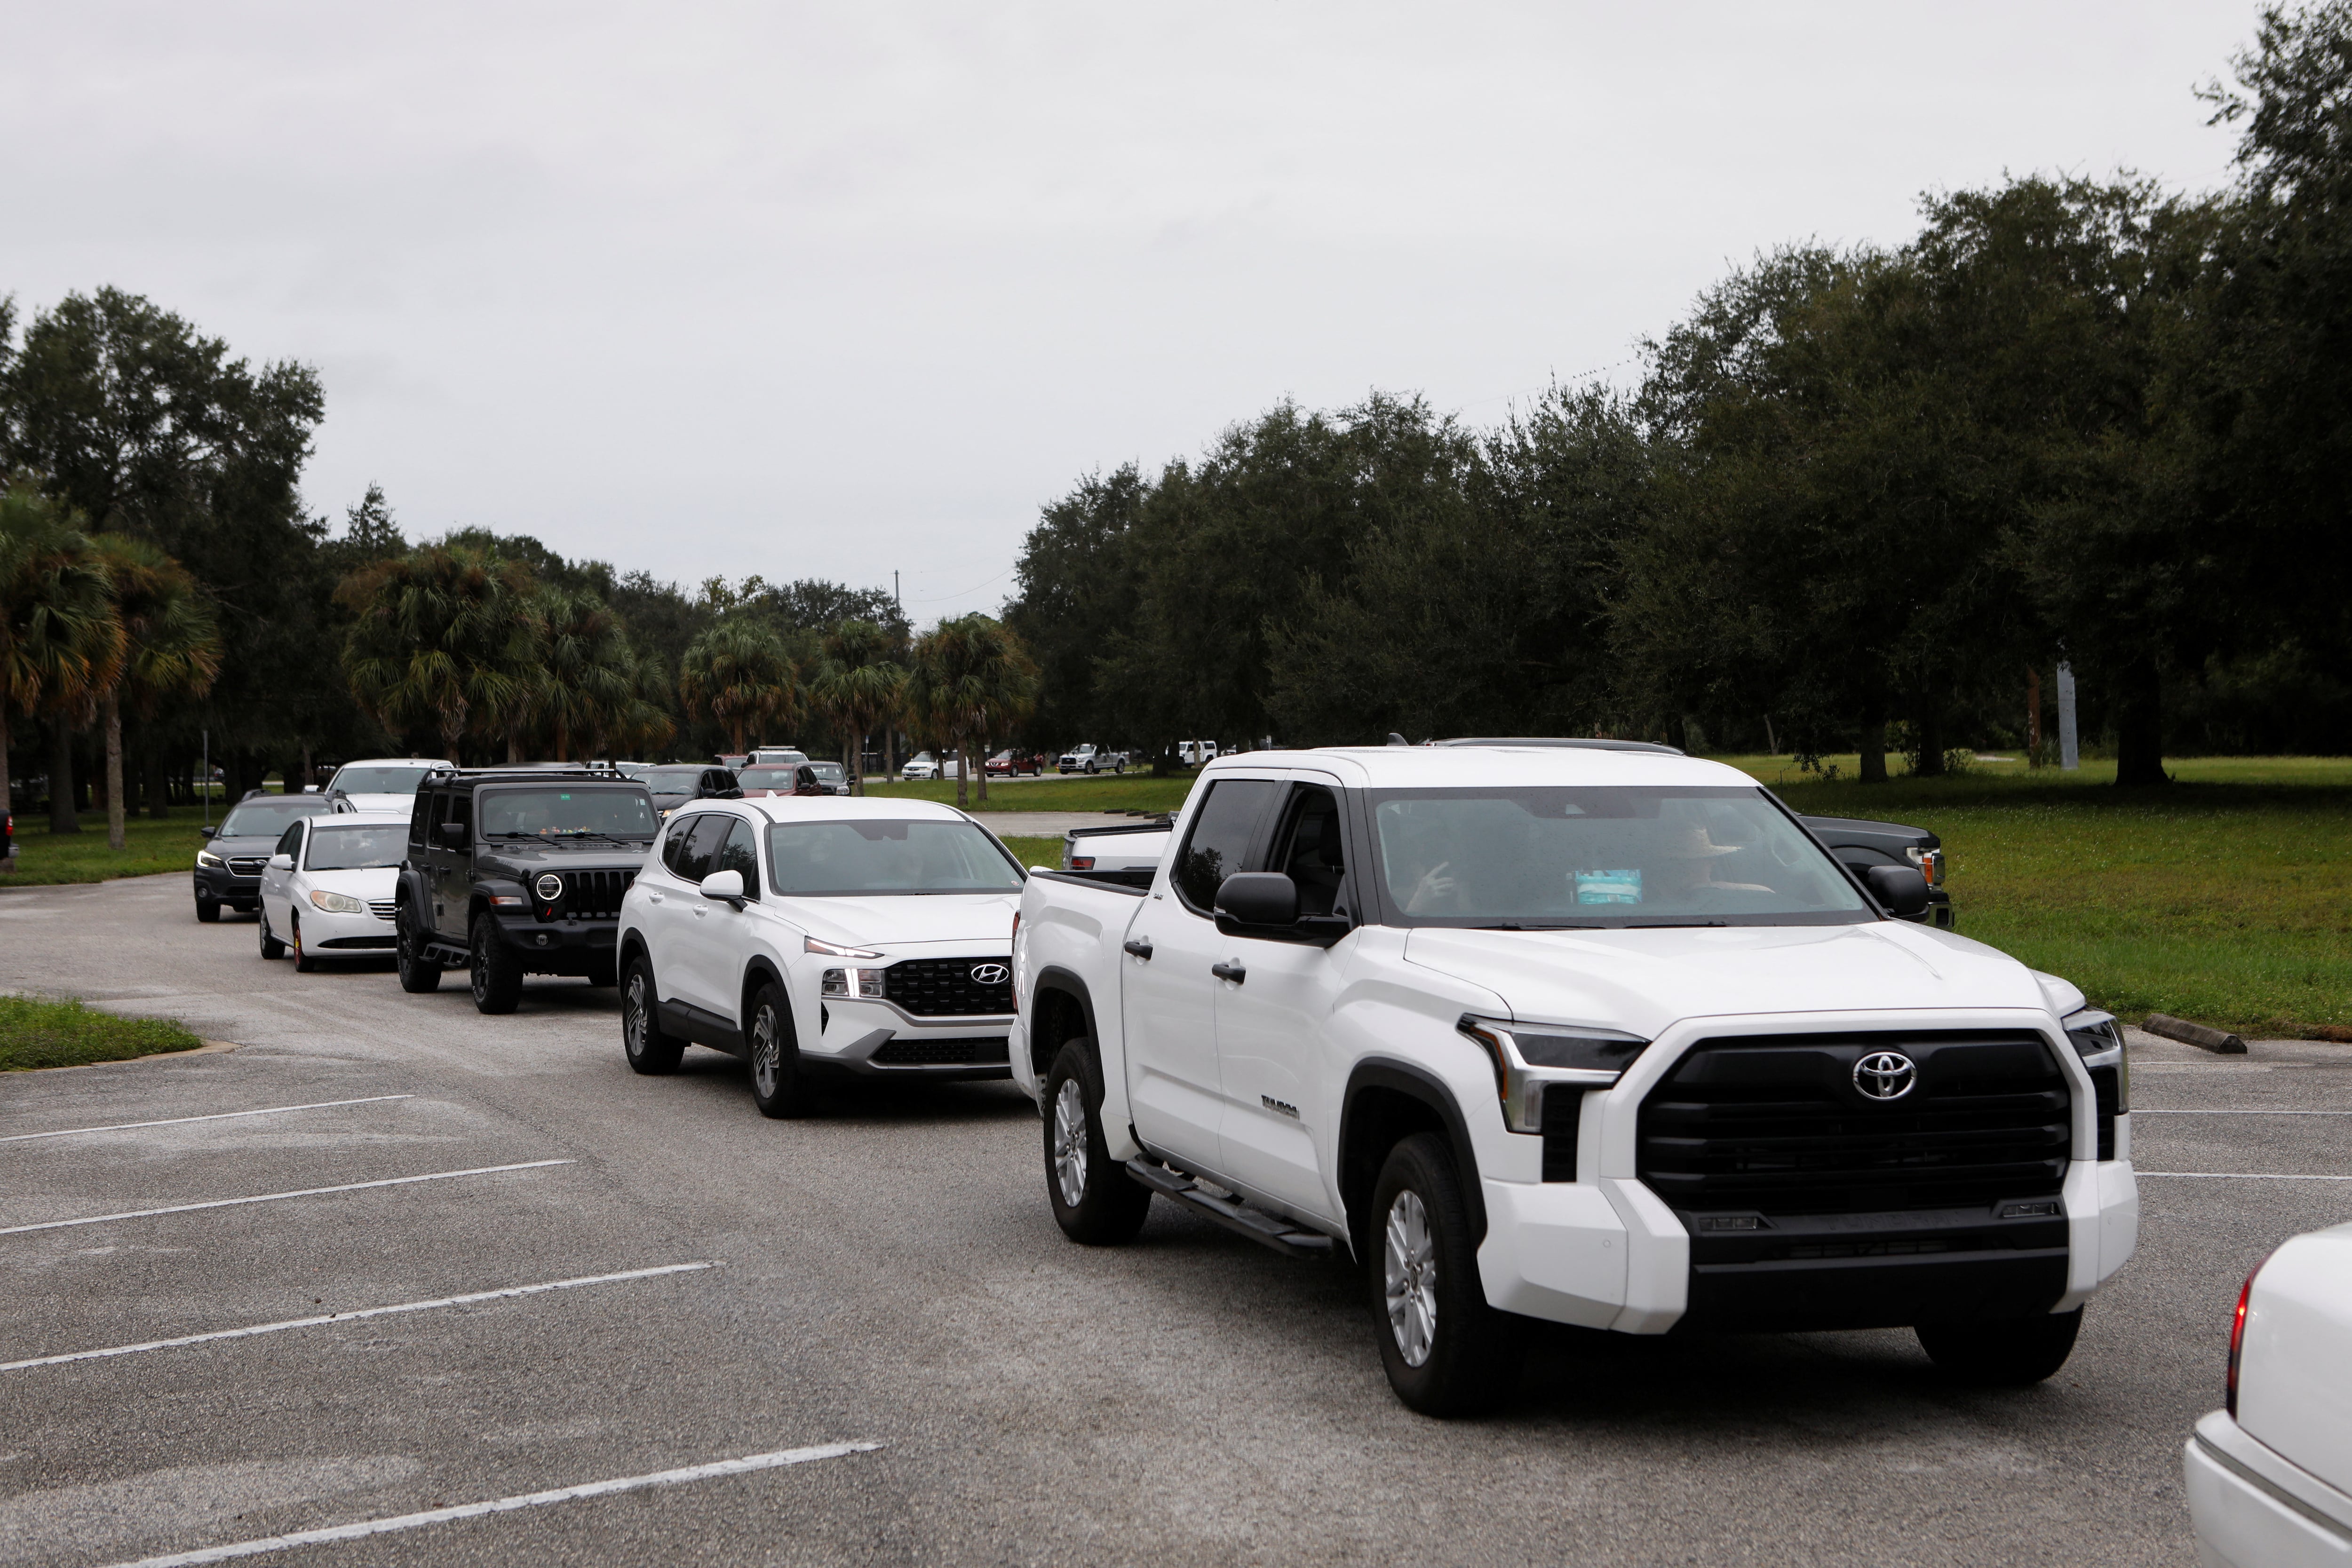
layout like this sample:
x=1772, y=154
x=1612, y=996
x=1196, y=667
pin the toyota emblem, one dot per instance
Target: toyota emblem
x=548, y=887
x=1886, y=1074
x=990, y=973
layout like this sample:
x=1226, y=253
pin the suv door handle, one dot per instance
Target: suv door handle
x=1140, y=947
x=1233, y=972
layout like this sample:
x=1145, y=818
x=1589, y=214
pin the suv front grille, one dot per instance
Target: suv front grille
x=944, y=987
x=595, y=894
x=1774, y=1124
x=248, y=865
x=970, y=1051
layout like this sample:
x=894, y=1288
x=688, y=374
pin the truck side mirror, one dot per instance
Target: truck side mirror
x=454, y=834
x=1258, y=898
x=1900, y=888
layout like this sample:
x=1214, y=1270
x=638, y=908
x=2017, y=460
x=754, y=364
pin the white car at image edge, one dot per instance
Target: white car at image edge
x=2270, y=1474
x=820, y=935
x=327, y=891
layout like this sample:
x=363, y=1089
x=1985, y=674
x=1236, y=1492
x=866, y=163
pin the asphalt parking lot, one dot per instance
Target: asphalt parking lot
x=886, y=1273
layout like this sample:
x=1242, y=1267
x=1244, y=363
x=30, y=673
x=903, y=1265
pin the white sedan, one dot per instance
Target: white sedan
x=327, y=892
x=2270, y=1474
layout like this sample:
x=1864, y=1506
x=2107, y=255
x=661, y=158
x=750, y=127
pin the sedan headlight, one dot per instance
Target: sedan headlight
x=338, y=903
x=1529, y=1056
x=206, y=857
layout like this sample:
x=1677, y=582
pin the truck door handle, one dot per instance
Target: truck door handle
x=1233, y=972
x=1140, y=947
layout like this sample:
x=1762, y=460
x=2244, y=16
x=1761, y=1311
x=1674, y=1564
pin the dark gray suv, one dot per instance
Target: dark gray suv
x=228, y=867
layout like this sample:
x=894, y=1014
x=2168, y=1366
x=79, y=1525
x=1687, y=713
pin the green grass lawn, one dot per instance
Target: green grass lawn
x=1103, y=792
x=1045, y=851
x=44, y=858
x=35, y=1033
x=2225, y=897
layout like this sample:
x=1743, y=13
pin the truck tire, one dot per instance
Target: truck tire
x=1095, y=1203
x=775, y=1058
x=1446, y=1351
x=2012, y=1353
x=419, y=971
x=496, y=972
x=649, y=1051
x=208, y=911
x=303, y=963
x=271, y=947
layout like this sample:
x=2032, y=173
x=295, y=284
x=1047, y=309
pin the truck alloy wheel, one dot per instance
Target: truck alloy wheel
x=1446, y=1352
x=1070, y=1143
x=1108, y=1208
x=1408, y=1261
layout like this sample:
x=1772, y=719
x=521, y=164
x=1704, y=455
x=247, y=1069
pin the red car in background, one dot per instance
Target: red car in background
x=1012, y=764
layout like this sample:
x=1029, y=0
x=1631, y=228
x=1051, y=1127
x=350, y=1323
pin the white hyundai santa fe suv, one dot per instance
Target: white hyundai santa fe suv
x=817, y=935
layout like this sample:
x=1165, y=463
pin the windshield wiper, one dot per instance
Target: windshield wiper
x=1673, y=925
x=1561, y=925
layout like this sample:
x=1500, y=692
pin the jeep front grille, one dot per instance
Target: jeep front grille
x=944, y=987
x=1774, y=1124
x=594, y=894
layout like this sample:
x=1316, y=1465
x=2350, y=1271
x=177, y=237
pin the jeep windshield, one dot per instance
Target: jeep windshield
x=867, y=857
x=1623, y=856
x=574, y=814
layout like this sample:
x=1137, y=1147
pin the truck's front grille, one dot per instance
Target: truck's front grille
x=950, y=987
x=968, y=1051
x=1776, y=1124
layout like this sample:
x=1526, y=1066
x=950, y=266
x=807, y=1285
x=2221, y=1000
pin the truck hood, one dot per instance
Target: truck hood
x=904, y=921
x=1644, y=981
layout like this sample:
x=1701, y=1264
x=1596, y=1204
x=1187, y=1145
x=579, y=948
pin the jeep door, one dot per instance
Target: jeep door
x=450, y=867
x=1270, y=1024
x=1169, y=1003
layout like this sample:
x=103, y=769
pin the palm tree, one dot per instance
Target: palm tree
x=436, y=640
x=642, y=724
x=861, y=687
x=173, y=648
x=585, y=674
x=737, y=674
x=60, y=639
x=973, y=679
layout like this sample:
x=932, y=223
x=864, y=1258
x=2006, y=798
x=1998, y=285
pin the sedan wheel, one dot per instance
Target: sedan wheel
x=271, y=947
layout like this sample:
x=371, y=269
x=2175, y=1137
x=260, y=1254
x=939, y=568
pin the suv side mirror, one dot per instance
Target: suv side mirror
x=453, y=835
x=1900, y=888
x=207, y=832
x=726, y=886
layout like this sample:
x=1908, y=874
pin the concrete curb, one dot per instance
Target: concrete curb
x=207, y=1049
x=2195, y=1034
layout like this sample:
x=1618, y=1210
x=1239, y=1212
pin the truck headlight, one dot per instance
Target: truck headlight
x=337, y=903
x=1930, y=864
x=206, y=857
x=1525, y=1057
x=2099, y=1039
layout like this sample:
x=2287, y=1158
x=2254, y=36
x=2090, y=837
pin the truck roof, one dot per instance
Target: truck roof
x=1436, y=767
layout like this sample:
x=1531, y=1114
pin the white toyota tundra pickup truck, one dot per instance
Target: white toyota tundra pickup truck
x=1597, y=1036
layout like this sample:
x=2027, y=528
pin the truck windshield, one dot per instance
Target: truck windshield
x=567, y=814
x=361, y=847
x=848, y=859
x=1621, y=856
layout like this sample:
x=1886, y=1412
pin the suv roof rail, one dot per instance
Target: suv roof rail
x=1566, y=742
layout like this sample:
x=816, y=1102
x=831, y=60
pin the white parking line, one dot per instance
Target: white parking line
x=2241, y=1176
x=216, y=1116
x=508, y=1293
x=275, y=1197
x=2149, y=1111
x=503, y=1505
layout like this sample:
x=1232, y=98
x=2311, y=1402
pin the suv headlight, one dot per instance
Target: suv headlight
x=338, y=903
x=206, y=857
x=1529, y=1056
x=845, y=983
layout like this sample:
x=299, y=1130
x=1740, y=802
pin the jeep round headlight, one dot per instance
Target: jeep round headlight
x=338, y=903
x=548, y=887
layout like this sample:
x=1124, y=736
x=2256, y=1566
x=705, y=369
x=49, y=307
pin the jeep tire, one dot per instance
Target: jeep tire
x=419, y=971
x=496, y=970
x=1446, y=1351
x=2010, y=1352
x=649, y=1051
x=1095, y=1201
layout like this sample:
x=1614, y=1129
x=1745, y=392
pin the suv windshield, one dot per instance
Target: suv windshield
x=566, y=814
x=830, y=772
x=674, y=780
x=1603, y=857
x=267, y=817
x=816, y=859
x=361, y=847
x=765, y=778
x=378, y=781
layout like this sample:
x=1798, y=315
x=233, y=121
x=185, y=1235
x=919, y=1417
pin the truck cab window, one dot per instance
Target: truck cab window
x=1219, y=843
x=1308, y=849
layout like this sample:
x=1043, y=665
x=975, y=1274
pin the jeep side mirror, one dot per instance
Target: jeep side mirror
x=453, y=835
x=725, y=887
x=1900, y=888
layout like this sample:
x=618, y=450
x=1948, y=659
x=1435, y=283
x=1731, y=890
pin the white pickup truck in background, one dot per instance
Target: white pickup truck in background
x=1597, y=1036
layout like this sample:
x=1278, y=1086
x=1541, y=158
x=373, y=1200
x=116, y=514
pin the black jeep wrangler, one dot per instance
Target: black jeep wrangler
x=518, y=871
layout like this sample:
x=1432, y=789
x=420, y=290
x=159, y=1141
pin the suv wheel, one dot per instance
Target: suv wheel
x=496, y=972
x=419, y=971
x=303, y=963
x=1095, y=1201
x=271, y=947
x=1446, y=1351
x=2009, y=1353
x=208, y=911
x=649, y=1051
x=775, y=1059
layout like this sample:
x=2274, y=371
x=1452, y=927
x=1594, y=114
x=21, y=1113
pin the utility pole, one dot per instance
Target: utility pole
x=2070, y=756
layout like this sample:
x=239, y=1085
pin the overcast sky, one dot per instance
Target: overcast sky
x=830, y=290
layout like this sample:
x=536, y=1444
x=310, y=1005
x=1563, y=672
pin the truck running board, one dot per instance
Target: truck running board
x=1270, y=1229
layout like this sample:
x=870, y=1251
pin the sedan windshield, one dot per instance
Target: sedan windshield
x=567, y=814
x=820, y=859
x=358, y=848
x=1603, y=857
x=267, y=817
x=379, y=781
